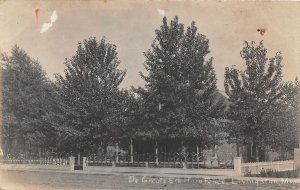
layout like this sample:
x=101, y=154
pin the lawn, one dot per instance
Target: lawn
x=30, y=180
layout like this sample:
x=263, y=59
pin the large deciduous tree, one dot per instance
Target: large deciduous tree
x=259, y=101
x=283, y=133
x=26, y=102
x=90, y=96
x=180, y=92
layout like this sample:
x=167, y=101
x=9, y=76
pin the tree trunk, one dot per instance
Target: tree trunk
x=40, y=155
x=156, y=153
x=117, y=152
x=197, y=150
x=105, y=149
x=261, y=154
x=184, y=152
x=254, y=151
x=237, y=149
x=249, y=154
x=131, y=150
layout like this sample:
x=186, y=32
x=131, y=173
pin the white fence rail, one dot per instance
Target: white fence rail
x=256, y=167
x=41, y=161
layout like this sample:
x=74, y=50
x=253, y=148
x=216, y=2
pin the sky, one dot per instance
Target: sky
x=131, y=25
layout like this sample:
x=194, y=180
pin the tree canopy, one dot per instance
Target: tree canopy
x=26, y=102
x=90, y=95
x=180, y=91
x=84, y=110
x=259, y=99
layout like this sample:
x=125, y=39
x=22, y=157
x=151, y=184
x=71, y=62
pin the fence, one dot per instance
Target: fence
x=41, y=161
x=257, y=167
x=161, y=160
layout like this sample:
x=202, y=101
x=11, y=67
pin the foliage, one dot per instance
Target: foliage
x=259, y=99
x=288, y=174
x=85, y=109
x=284, y=129
x=180, y=91
x=26, y=102
x=275, y=174
x=90, y=95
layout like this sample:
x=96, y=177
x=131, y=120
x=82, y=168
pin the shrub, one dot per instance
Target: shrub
x=247, y=171
x=278, y=174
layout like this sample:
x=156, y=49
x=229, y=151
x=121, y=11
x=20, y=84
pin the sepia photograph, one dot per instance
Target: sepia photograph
x=149, y=94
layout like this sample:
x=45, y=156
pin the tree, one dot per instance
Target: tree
x=130, y=114
x=90, y=96
x=26, y=101
x=256, y=95
x=180, y=92
x=284, y=129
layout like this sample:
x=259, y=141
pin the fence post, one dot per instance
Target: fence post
x=296, y=158
x=84, y=162
x=237, y=165
x=72, y=162
x=78, y=160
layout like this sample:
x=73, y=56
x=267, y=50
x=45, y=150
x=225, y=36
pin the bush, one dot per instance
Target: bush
x=248, y=172
x=279, y=174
